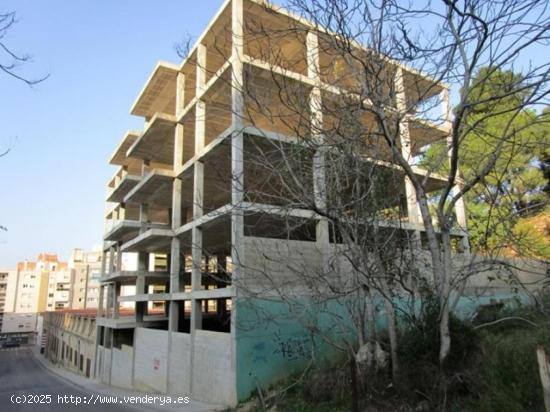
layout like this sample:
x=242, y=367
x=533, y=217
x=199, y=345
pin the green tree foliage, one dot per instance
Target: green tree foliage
x=516, y=188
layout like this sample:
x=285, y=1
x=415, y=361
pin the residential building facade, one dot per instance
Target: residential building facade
x=69, y=339
x=43, y=285
x=7, y=292
x=85, y=273
x=18, y=326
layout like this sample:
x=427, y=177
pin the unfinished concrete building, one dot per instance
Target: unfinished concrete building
x=180, y=199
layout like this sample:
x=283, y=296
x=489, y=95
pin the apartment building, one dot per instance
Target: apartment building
x=85, y=273
x=14, y=326
x=8, y=279
x=184, y=191
x=48, y=285
x=42, y=285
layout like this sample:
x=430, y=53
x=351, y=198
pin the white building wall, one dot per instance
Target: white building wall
x=27, y=291
x=18, y=322
x=11, y=289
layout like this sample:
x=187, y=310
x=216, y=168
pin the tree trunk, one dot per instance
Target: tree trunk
x=444, y=335
x=360, y=317
x=371, y=327
x=441, y=272
x=444, y=331
x=392, y=332
x=354, y=384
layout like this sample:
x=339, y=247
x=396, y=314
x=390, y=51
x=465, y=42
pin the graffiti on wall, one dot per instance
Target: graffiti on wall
x=292, y=348
x=289, y=348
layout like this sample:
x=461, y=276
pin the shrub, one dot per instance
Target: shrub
x=419, y=354
x=510, y=378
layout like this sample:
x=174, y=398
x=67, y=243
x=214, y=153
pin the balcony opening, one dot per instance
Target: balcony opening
x=123, y=337
x=216, y=315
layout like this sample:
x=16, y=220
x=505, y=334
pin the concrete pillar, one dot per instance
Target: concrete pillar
x=319, y=188
x=143, y=217
x=198, y=191
x=122, y=211
x=460, y=210
x=175, y=246
x=111, y=259
x=237, y=159
x=140, y=284
x=196, y=248
x=175, y=264
x=145, y=167
x=95, y=371
x=201, y=68
x=100, y=307
x=316, y=110
x=140, y=306
x=413, y=211
x=200, y=117
x=200, y=107
x=196, y=277
x=103, y=263
x=460, y=207
x=143, y=261
x=180, y=94
x=116, y=293
x=237, y=140
x=178, y=146
x=118, y=265
x=312, y=46
x=109, y=303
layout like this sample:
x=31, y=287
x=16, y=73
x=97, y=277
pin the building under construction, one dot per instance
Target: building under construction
x=185, y=198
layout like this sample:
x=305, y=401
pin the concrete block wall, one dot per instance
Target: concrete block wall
x=214, y=374
x=106, y=366
x=274, y=261
x=151, y=360
x=173, y=363
x=179, y=379
x=121, y=371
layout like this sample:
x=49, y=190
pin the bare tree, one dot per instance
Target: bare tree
x=13, y=59
x=368, y=105
x=339, y=103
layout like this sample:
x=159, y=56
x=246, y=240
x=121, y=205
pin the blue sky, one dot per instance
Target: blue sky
x=98, y=55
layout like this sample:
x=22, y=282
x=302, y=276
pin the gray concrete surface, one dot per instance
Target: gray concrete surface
x=21, y=377
x=26, y=376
